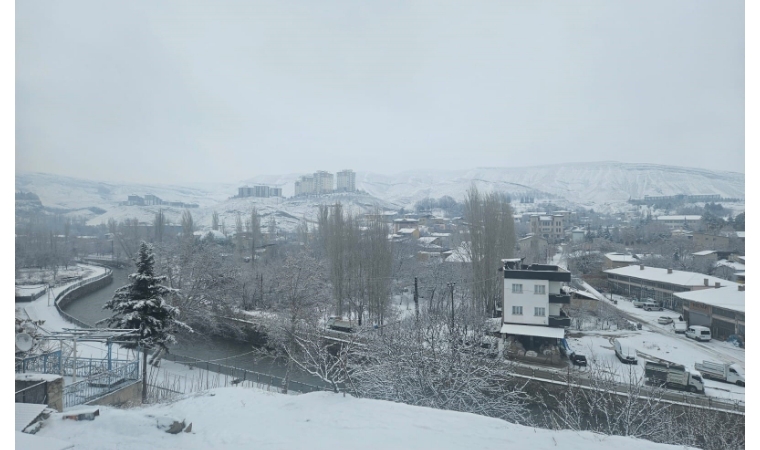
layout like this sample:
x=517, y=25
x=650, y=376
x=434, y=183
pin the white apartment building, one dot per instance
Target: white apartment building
x=689, y=222
x=533, y=295
x=323, y=182
x=346, y=181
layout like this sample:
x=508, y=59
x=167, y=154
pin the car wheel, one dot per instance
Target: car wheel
x=740, y=383
x=692, y=389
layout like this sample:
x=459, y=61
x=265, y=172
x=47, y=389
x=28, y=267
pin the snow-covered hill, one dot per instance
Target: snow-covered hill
x=246, y=418
x=604, y=186
x=601, y=185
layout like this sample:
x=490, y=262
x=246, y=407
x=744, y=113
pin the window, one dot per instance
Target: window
x=517, y=310
x=539, y=289
x=540, y=311
x=517, y=288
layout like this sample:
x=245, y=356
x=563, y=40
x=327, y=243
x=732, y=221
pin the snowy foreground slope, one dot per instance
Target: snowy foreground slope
x=237, y=418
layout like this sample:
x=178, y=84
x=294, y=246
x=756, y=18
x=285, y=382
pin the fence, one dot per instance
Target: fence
x=100, y=384
x=244, y=375
x=44, y=363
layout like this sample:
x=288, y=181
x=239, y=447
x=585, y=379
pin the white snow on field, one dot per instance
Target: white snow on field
x=247, y=418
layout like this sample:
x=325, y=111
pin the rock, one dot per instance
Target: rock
x=169, y=424
x=189, y=428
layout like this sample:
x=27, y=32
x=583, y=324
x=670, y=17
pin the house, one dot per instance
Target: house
x=533, y=299
x=721, y=309
x=729, y=270
x=706, y=257
x=534, y=248
x=642, y=281
x=704, y=241
x=577, y=235
x=413, y=233
x=615, y=259
x=398, y=224
x=673, y=222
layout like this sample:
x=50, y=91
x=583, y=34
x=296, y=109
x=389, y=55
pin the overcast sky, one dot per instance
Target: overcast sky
x=178, y=91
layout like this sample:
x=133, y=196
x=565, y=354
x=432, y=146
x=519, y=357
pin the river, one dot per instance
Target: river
x=89, y=309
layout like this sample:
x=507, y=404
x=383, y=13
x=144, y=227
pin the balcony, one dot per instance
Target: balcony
x=559, y=298
x=559, y=321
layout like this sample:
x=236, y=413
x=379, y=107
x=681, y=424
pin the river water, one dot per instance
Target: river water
x=89, y=309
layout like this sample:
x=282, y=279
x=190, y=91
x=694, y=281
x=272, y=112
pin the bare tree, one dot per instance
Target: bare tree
x=492, y=238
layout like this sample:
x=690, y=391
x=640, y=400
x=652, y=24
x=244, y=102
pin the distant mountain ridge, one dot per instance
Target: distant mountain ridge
x=604, y=186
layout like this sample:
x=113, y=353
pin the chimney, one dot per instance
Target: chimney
x=707, y=282
x=670, y=270
x=741, y=288
x=717, y=284
x=641, y=266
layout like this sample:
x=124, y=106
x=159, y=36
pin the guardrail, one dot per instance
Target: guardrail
x=550, y=376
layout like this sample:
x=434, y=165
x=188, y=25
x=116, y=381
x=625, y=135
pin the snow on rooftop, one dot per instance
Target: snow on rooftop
x=36, y=377
x=441, y=235
x=427, y=239
x=678, y=277
x=406, y=230
x=733, y=265
x=729, y=297
x=682, y=218
x=621, y=257
x=246, y=418
x=704, y=253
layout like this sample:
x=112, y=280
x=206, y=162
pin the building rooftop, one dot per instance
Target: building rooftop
x=684, y=218
x=728, y=297
x=621, y=257
x=704, y=253
x=678, y=277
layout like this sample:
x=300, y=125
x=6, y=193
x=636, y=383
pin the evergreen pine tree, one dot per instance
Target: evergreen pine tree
x=141, y=305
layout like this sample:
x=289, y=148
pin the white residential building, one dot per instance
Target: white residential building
x=346, y=181
x=672, y=222
x=533, y=299
x=323, y=182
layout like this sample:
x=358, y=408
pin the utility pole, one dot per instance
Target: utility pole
x=416, y=301
x=451, y=286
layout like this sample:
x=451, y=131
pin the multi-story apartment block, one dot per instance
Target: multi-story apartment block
x=548, y=226
x=151, y=199
x=533, y=300
x=346, y=181
x=305, y=185
x=323, y=182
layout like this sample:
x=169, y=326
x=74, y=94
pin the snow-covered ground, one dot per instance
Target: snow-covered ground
x=659, y=341
x=247, y=418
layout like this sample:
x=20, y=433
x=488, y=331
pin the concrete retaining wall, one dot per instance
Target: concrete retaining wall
x=128, y=394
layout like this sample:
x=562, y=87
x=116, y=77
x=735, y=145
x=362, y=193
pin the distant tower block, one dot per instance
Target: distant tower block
x=346, y=181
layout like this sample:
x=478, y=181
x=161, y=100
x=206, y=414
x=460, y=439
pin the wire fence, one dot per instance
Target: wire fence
x=240, y=375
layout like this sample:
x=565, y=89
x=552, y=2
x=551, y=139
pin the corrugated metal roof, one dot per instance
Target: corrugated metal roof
x=26, y=413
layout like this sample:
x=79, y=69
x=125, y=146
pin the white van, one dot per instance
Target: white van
x=698, y=333
x=624, y=353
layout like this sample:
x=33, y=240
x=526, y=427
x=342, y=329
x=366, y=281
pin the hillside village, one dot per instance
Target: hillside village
x=594, y=270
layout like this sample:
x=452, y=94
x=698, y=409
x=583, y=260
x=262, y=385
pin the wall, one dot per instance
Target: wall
x=528, y=300
x=128, y=394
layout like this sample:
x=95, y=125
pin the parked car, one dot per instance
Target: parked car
x=651, y=306
x=578, y=359
x=626, y=354
x=664, y=320
x=698, y=333
x=679, y=327
x=638, y=303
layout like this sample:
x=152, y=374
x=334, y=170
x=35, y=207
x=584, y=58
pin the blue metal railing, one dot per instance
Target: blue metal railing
x=100, y=384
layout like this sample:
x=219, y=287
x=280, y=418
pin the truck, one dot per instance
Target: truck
x=729, y=373
x=673, y=376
